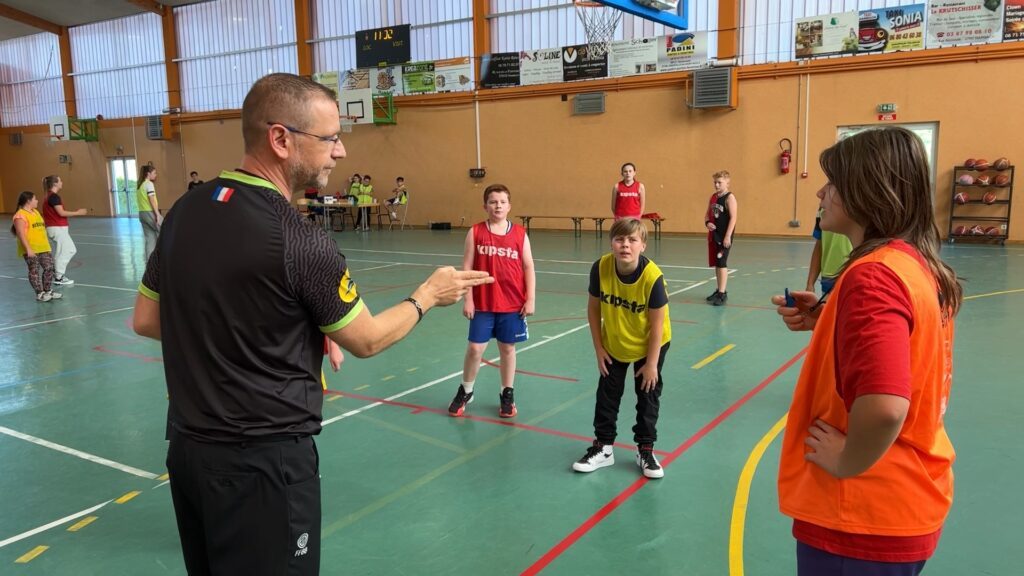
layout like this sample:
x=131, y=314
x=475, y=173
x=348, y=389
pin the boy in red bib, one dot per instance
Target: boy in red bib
x=498, y=310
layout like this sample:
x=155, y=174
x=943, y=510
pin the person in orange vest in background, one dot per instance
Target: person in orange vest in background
x=866, y=470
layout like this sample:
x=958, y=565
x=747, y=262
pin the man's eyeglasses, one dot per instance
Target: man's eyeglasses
x=332, y=139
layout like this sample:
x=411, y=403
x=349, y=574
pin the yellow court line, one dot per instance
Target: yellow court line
x=363, y=387
x=82, y=523
x=712, y=358
x=31, y=554
x=164, y=476
x=413, y=369
x=993, y=294
x=334, y=397
x=127, y=497
x=388, y=377
x=739, y=505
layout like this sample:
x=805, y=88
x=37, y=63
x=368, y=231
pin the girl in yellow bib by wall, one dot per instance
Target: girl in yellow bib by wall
x=33, y=246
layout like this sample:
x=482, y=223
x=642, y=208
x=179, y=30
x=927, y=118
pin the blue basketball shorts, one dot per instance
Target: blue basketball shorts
x=506, y=327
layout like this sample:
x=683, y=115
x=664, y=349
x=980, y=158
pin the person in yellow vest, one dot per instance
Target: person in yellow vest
x=364, y=196
x=30, y=229
x=149, y=208
x=629, y=324
x=866, y=470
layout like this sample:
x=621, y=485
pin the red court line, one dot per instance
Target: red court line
x=417, y=408
x=127, y=354
x=537, y=374
x=610, y=507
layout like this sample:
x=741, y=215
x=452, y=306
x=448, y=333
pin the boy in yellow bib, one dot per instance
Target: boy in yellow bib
x=629, y=324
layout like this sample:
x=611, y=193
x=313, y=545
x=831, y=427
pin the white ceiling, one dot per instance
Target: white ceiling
x=70, y=13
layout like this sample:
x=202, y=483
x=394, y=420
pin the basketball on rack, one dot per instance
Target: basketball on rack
x=1001, y=180
x=981, y=165
x=993, y=231
x=961, y=198
x=965, y=180
x=983, y=180
x=1001, y=164
x=960, y=230
x=989, y=198
x=969, y=163
x=977, y=230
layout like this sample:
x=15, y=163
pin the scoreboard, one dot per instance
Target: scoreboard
x=382, y=46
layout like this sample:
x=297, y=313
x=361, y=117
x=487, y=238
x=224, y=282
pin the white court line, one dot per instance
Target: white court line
x=79, y=453
x=379, y=267
x=547, y=339
x=46, y=527
x=588, y=262
x=4, y=328
x=77, y=284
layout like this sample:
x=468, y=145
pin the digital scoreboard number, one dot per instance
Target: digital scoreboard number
x=382, y=46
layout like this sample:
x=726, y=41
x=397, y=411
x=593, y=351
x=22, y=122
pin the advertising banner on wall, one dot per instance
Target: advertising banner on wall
x=682, y=51
x=357, y=79
x=579, y=62
x=418, y=78
x=827, y=34
x=891, y=29
x=960, y=22
x=1013, y=21
x=499, y=70
x=632, y=57
x=387, y=79
x=540, y=66
x=453, y=75
x=329, y=79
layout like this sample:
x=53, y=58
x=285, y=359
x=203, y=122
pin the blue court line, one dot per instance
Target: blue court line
x=58, y=374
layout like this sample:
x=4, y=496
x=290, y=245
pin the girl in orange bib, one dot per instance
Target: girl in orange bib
x=866, y=465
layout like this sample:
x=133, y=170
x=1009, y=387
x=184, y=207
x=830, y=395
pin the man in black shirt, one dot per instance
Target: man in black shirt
x=242, y=308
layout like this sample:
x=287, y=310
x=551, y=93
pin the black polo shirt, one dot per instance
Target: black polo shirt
x=247, y=289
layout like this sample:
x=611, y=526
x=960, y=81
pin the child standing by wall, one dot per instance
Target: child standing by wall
x=33, y=246
x=720, y=220
x=629, y=197
x=629, y=323
x=498, y=310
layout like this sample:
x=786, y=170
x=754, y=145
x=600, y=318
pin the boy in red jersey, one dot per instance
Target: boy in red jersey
x=629, y=197
x=499, y=311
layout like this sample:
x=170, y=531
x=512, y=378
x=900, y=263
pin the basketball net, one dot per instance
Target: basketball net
x=347, y=122
x=599, y=23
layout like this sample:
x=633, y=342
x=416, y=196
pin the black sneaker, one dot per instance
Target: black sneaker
x=458, y=405
x=648, y=462
x=720, y=301
x=508, y=403
x=713, y=297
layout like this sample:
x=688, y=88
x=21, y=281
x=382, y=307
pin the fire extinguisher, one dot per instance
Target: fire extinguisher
x=787, y=153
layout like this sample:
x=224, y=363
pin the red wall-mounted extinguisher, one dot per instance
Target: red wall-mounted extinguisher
x=787, y=153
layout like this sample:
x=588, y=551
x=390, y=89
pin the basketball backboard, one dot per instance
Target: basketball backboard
x=650, y=10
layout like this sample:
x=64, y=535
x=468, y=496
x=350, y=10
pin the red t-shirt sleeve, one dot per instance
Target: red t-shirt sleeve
x=873, y=326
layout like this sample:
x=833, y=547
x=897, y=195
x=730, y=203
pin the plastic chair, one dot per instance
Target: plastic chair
x=403, y=206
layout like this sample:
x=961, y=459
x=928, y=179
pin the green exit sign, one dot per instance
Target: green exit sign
x=886, y=108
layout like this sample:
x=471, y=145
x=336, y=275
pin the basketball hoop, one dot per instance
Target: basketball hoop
x=599, y=23
x=347, y=122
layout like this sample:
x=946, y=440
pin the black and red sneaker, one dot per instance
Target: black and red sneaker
x=508, y=403
x=458, y=405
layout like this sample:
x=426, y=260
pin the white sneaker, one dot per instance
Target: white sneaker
x=54, y=295
x=597, y=456
x=63, y=281
x=44, y=297
x=648, y=462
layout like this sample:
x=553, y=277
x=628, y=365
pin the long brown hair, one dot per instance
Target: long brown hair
x=881, y=176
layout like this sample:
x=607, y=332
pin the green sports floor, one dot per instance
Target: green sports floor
x=407, y=490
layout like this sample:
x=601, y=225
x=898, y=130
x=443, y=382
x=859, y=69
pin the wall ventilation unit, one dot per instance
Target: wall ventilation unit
x=154, y=128
x=588, y=103
x=714, y=88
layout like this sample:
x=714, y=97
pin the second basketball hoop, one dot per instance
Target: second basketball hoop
x=599, y=24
